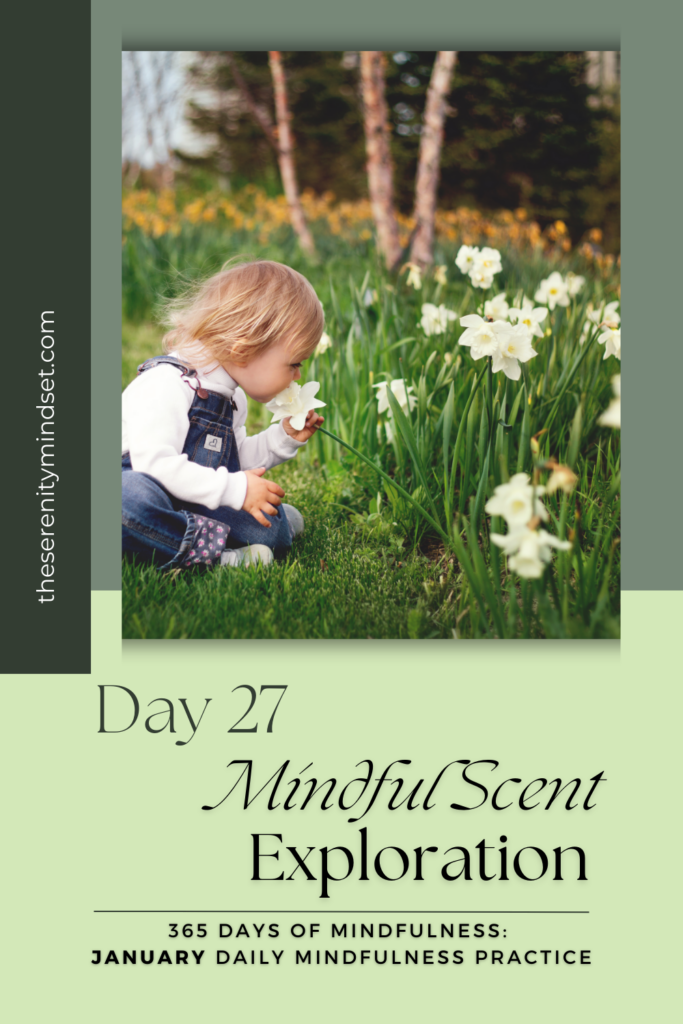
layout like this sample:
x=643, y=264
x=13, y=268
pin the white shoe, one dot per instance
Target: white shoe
x=252, y=554
x=294, y=518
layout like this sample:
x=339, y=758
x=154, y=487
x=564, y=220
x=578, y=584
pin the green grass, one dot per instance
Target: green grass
x=140, y=342
x=344, y=579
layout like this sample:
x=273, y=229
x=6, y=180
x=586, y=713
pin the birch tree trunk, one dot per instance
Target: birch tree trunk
x=379, y=165
x=164, y=99
x=427, y=180
x=142, y=99
x=285, y=148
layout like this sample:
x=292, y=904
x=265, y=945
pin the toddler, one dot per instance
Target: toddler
x=194, y=492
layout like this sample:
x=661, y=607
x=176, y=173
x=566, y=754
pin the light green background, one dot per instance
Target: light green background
x=114, y=822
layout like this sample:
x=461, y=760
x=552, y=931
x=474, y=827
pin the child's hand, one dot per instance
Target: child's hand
x=262, y=496
x=313, y=421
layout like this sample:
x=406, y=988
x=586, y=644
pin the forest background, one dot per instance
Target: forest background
x=534, y=130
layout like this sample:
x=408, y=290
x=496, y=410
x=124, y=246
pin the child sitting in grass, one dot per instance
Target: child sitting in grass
x=194, y=492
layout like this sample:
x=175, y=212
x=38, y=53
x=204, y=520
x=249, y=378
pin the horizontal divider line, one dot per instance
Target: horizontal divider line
x=341, y=911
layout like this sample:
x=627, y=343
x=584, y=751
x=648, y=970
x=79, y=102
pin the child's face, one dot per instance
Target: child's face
x=267, y=374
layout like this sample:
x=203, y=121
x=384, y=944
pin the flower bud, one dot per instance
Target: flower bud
x=533, y=442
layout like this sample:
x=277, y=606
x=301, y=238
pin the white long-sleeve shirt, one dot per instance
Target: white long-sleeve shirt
x=155, y=426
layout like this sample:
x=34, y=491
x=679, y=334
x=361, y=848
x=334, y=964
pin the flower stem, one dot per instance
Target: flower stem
x=392, y=483
x=461, y=428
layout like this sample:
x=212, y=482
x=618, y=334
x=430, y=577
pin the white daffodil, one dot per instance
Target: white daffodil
x=611, y=339
x=440, y=274
x=435, y=319
x=574, y=283
x=515, y=348
x=369, y=297
x=497, y=307
x=414, y=278
x=489, y=260
x=517, y=502
x=530, y=315
x=610, y=312
x=553, y=291
x=295, y=401
x=594, y=317
x=484, y=338
x=611, y=417
x=481, y=277
x=466, y=258
x=529, y=550
x=485, y=265
x=323, y=345
x=401, y=393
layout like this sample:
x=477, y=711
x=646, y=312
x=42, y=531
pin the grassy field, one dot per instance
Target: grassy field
x=345, y=579
x=398, y=540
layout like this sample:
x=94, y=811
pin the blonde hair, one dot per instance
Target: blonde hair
x=239, y=312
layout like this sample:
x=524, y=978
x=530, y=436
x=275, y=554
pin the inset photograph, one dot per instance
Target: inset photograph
x=371, y=345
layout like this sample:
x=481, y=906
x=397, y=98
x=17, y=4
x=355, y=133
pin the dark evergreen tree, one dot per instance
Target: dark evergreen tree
x=327, y=121
x=519, y=129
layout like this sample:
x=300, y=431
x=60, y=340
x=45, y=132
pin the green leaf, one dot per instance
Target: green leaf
x=404, y=425
x=392, y=484
x=575, y=437
x=525, y=437
x=481, y=490
x=449, y=412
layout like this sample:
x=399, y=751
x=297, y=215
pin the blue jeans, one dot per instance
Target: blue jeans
x=162, y=529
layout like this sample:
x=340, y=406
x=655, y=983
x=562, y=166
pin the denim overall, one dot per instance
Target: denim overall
x=171, y=532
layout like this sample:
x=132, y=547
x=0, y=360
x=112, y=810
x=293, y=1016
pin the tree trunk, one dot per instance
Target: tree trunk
x=142, y=100
x=164, y=100
x=427, y=180
x=379, y=165
x=285, y=148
